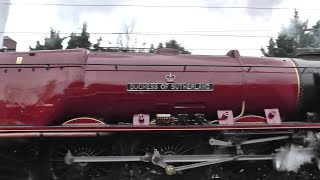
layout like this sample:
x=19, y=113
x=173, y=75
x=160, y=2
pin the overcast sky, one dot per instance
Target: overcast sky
x=243, y=22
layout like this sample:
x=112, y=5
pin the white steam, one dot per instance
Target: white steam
x=4, y=11
x=292, y=158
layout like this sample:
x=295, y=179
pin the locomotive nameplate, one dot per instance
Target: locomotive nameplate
x=169, y=87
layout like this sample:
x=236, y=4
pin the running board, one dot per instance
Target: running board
x=6, y=131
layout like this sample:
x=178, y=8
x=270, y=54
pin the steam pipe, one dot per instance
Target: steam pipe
x=243, y=107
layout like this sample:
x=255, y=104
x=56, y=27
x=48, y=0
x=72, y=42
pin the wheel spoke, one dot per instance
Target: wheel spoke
x=78, y=170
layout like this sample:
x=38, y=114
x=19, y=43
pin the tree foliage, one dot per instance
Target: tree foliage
x=284, y=46
x=80, y=40
x=175, y=45
x=96, y=47
x=126, y=42
x=293, y=38
x=170, y=44
x=151, y=49
x=160, y=45
x=53, y=42
x=316, y=35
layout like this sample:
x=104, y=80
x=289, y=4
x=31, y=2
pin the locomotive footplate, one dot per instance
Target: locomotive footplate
x=102, y=130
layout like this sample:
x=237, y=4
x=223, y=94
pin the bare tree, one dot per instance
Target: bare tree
x=125, y=39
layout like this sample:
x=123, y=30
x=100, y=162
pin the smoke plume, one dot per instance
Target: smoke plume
x=77, y=14
x=254, y=13
x=4, y=11
x=250, y=4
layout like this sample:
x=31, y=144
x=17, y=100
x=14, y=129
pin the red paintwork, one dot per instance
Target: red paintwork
x=47, y=97
x=251, y=119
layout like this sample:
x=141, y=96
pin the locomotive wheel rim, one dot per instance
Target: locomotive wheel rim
x=59, y=170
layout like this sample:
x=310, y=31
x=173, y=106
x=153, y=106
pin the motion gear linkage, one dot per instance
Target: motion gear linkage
x=163, y=160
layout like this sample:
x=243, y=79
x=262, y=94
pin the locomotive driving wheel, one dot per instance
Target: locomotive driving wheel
x=59, y=170
x=149, y=171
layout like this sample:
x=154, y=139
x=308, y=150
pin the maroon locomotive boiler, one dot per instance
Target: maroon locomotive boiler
x=49, y=87
x=174, y=113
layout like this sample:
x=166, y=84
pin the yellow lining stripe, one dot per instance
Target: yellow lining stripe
x=298, y=79
x=96, y=121
x=253, y=116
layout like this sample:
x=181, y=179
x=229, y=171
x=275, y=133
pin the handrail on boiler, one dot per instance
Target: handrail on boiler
x=192, y=65
x=82, y=65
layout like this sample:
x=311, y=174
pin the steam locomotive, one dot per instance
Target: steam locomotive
x=74, y=114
